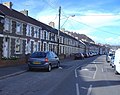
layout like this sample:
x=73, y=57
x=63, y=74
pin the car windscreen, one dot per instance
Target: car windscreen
x=38, y=55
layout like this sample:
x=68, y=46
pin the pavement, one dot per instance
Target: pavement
x=19, y=69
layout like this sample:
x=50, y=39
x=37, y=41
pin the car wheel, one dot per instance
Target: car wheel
x=74, y=58
x=58, y=65
x=30, y=69
x=112, y=66
x=49, y=68
x=115, y=70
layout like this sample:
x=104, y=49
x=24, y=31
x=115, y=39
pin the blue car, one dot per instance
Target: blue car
x=42, y=59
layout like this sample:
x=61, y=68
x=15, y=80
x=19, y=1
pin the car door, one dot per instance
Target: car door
x=51, y=58
x=56, y=59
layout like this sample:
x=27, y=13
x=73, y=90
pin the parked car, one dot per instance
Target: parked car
x=78, y=56
x=112, y=61
x=108, y=57
x=86, y=55
x=43, y=59
x=117, y=61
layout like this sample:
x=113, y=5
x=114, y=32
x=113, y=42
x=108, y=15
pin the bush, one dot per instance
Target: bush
x=10, y=58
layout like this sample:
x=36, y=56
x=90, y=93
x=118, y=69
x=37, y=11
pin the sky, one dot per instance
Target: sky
x=98, y=19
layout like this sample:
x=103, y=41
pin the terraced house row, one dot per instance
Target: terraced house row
x=20, y=35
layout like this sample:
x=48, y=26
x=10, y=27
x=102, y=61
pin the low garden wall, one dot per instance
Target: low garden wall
x=10, y=62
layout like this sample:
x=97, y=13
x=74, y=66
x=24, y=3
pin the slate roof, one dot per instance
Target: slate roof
x=15, y=14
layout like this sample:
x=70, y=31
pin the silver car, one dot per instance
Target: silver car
x=108, y=57
x=43, y=59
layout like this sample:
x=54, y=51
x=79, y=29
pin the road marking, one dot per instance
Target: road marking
x=76, y=71
x=77, y=89
x=60, y=67
x=97, y=62
x=102, y=70
x=85, y=69
x=89, y=90
x=83, y=87
x=95, y=72
x=13, y=74
x=87, y=77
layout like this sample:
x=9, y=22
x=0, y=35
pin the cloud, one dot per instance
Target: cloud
x=97, y=19
x=109, y=40
x=89, y=18
x=82, y=24
x=114, y=41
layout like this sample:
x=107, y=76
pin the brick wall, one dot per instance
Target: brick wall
x=4, y=63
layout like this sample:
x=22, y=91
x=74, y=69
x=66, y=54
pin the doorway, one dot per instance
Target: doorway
x=6, y=48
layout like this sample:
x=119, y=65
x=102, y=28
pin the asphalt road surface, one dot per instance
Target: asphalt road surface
x=91, y=76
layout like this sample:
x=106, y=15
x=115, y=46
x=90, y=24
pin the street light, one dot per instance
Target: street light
x=58, y=36
x=67, y=19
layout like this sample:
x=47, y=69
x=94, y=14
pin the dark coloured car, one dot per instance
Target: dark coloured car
x=86, y=55
x=42, y=59
x=78, y=56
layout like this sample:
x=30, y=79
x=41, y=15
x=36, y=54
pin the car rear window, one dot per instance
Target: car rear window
x=38, y=55
x=110, y=54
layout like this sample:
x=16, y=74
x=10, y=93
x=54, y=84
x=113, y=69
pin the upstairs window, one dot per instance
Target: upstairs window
x=50, y=38
x=36, y=32
x=7, y=24
x=60, y=39
x=42, y=34
x=18, y=28
x=56, y=37
x=28, y=30
x=45, y=35
x=53, y=36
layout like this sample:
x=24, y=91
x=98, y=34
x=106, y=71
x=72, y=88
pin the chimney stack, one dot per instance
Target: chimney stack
x=52, y=24
x=25, y=12
x=8, y=4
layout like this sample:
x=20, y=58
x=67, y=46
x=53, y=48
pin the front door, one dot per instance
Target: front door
x=6, y=48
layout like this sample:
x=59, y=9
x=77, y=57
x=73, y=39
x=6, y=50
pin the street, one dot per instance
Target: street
x=91, y=76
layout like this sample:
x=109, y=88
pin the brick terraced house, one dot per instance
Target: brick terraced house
x=21, y=34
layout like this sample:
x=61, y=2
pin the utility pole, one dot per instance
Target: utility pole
x=58, y=38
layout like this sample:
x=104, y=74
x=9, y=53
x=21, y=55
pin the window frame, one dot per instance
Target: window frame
x=19, y=43
x=19, y=30
x=7, y=25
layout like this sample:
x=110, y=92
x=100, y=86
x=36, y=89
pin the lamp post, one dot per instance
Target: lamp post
x=67, y=19
x=58, y=36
